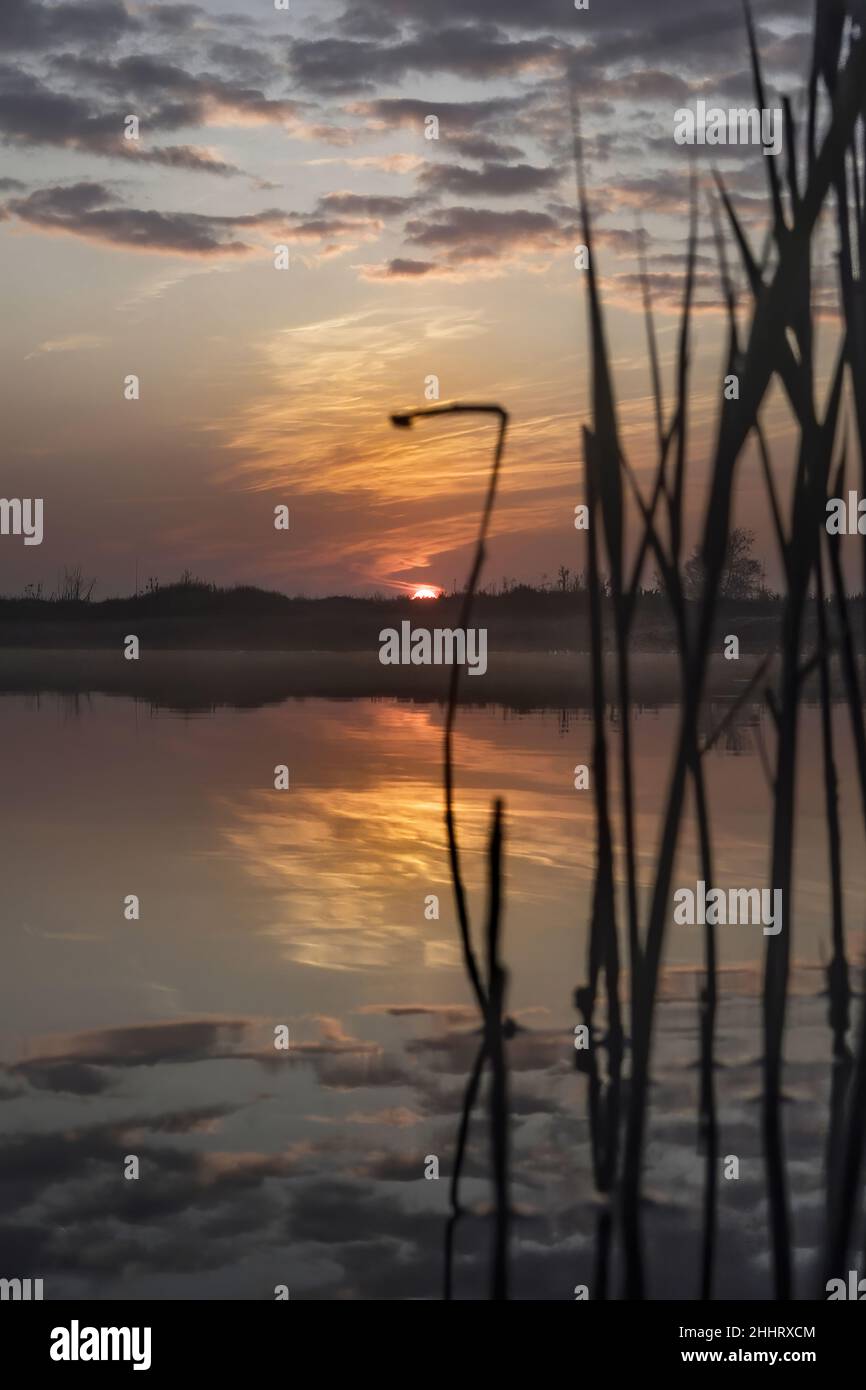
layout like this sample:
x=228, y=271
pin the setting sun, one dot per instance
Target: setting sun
x=426, y=591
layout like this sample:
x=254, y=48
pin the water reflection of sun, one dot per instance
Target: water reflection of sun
x=347, y=866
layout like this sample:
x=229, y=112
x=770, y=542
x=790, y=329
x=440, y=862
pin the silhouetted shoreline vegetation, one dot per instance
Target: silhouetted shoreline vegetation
x=197, y=615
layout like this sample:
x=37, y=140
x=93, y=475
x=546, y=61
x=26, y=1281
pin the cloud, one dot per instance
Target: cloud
x=473, y=129
x=338, y=221
x=482, y=234
x=667, y=289
x=337, y=65
x=176, y=19
x=361, y=205
x=190, y=157
x=93, y=211
x=163, y=95
x=646, y=84
x=398, y=269
x=32, y=114
x=203, y=99
x=73, y=342
x=25, y=24
x=383, y=163
x=626, y=16
x=70, y=1077
x=499, y=180
x=245, y=62
x=547, y=14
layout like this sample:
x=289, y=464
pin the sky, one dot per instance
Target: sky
x=409, y=258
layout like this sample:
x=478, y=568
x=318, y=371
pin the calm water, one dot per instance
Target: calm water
x=306, y=908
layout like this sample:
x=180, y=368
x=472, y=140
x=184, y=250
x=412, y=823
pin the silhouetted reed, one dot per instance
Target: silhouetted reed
x=778, y=343
x=489, y=994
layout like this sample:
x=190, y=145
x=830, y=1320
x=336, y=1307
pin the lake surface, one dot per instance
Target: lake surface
x=306, y=908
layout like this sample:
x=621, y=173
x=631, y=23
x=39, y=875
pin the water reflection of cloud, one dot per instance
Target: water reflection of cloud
x=321, y=1186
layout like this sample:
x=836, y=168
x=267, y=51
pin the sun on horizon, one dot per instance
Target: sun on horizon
x=427, y=591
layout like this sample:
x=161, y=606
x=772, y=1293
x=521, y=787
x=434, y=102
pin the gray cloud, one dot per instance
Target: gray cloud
x=480, y=234
x=498, y=180
x=32, y=114
x=247, y=63
x=146, y=77
x=365, y=206
x=93, y=211
x=176, y=19
x=338, y=65
x=25, y=24
x=483, y=147
x=455, y=117
x=473, y=129
x=70, y=1077
x=553, y=14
